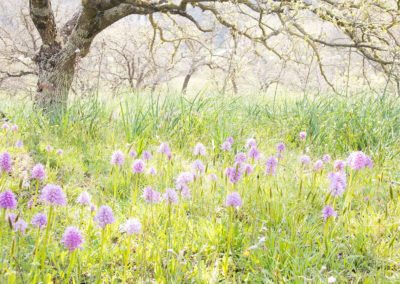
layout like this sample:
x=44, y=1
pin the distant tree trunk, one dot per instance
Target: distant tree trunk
x=234, y=85
x=56, y=72
x=153, y=88
x=186, y=82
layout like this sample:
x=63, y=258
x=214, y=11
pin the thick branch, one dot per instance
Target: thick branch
x=43, y=18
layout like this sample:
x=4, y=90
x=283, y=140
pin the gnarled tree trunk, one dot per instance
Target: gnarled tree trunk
x=56, y=59
x=56, y=72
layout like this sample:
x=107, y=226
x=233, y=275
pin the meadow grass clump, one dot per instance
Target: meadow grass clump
x=202, y=189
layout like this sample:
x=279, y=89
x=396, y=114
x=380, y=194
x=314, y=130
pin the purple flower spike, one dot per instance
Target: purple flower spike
x=226, y=146
x=5, y=163
x=251, y=142
x=72, y=238
x=270, y=166
x=8, y=200
x=327, y=212
x=170, y=196
x=146, y=155
x=339, y=165
x=240, y=158
x=104, y=216
x=131, y=226
x=280, y=148
x=199, y=150
x=39, y=220
x=338, y=183
x=230, y=140
x=38, y=172
x=254, y=153
x=19, y=144
x=303, y=135
x=185, y=192
x=247, y=169
x=138, y=166
x=234, y=174
x=20, y=226
x=358, y=160
x=14, y=128
x=318, y=165
x=117, y=158
x=234, y=200
x=213, y=177
x=133, y=153
x=53, y=195
x=198, y=166
x=5, y=126
x=84, y=199
x=305, y=160
x=326, y=158
x=164, y=149
x=151, y=196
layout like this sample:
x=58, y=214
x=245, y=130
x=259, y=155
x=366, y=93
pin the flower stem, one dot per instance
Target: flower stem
x=46, y=236
x=70, y=266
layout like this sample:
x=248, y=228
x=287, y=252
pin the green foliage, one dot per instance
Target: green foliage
x=277, y=236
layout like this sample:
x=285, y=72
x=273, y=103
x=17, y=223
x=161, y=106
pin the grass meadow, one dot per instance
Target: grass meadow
x=146, y=203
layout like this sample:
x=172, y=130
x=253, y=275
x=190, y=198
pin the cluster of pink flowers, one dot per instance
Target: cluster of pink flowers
x=171, y=196
x=38, y=172
x=151, y=196
x=138, y=166
x=131, y=227
x=251, y=142
x=280, y=147
x=104, y=216
x=234, y=200
x=254, y=153
x=318, y=165
x=240, y=158
x=5, y=163
x=270, y=166
x=305, y=160
x=164, y=149
x=339, y=165
x=199, y=150
x=358, y=160
x=6, y=127
x=39, y=220
x=198, y=167
x=182, y=183
x=72, y=238
x=184, y=179
x=146, y=155
x=8, y=200
x=53, y=195
x=117, y=158
x=84, y=199
x=337, y=183
x=234, y=173
x=303, y=135
x=328, y=212
x=227, y=144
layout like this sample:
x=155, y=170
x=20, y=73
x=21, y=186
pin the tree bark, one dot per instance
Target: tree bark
x=56, y=72
x=186, y=83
